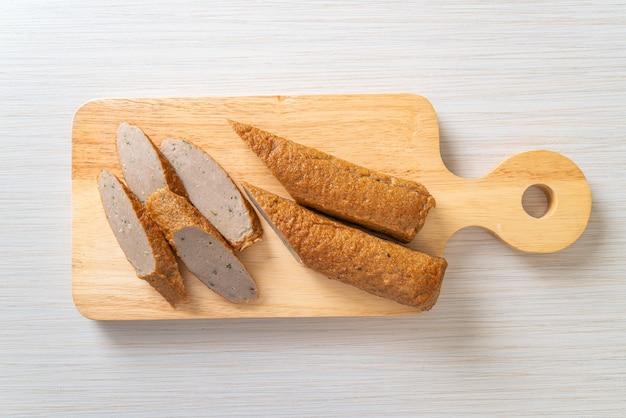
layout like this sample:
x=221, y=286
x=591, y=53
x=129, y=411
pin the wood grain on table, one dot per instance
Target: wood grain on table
x=512, y=334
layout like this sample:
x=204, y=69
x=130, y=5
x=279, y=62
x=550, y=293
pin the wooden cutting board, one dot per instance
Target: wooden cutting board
x=396, y=134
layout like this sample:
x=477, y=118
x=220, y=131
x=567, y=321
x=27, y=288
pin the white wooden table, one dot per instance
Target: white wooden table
x=512, y=334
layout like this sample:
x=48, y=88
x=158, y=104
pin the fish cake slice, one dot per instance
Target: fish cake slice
x=213, y=193
x=145, y=168
x=201, y=247
x=141, y=239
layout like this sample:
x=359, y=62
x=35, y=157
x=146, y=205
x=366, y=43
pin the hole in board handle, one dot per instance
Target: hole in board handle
x=538, y=200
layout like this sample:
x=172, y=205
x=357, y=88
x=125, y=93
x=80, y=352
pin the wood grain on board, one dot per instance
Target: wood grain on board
x=394, y=133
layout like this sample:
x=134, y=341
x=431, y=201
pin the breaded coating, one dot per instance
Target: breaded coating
x=173, y=212
x=354, y=257
x=382, y=203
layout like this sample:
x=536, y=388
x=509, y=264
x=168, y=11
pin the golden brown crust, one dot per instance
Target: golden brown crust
x=165, y=278
x=172, y=212
x=380, y=202
x=257, y=230
x=352, y=256
x=172, y=180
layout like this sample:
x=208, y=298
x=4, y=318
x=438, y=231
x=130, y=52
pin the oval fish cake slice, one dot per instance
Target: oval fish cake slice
x=141, y=239
x=145, y=168
x=213, y=193
x=201, y=247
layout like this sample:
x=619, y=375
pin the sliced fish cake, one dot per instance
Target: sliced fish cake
x=145, y=168
x=213, y=193
x=141, y=239
x=201, y=247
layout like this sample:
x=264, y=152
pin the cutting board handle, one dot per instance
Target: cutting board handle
x=566, y=188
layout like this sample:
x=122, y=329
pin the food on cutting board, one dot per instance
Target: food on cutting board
x=213, y=193
x=354, y=257
x=198, y=243
x=201, y=247
x=382, y=203
x=145, y=168
x=192, y=203
x=141, y=239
